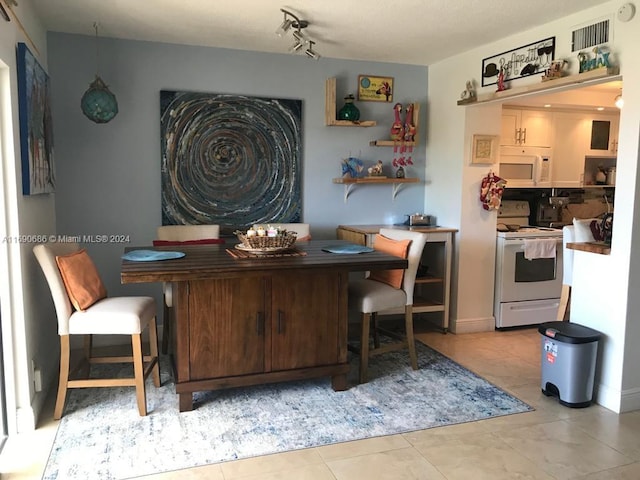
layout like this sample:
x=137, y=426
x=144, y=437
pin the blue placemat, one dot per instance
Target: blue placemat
x=150, y=255
x=349, y=248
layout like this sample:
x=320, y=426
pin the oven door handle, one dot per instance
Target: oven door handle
x=520, y=241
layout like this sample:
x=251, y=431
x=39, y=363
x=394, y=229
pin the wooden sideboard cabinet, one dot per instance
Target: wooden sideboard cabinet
x=433, y=284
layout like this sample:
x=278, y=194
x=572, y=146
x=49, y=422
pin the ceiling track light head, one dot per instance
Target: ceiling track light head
x=295, y=22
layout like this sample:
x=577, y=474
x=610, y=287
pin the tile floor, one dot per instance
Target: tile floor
x=553, y=442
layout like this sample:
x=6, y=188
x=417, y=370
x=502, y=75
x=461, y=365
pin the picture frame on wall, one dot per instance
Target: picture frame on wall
x=36, y=129
x=372, y=88
x=484, y=149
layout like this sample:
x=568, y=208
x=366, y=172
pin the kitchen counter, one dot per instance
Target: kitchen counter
x=373, y=229
x=592, y=247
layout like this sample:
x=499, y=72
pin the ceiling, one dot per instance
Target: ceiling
x=417, y=32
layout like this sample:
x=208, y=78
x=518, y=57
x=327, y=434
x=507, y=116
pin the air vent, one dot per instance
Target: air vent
x=590, y=35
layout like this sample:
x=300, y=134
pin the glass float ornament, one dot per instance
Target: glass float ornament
x=98, y=103
x=349, y=111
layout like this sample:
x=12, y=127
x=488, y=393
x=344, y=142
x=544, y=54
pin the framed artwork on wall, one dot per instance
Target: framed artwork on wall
x=532, y=59
x=36, y=129
x=230, y=160
x=484, y=149
x=375, y=89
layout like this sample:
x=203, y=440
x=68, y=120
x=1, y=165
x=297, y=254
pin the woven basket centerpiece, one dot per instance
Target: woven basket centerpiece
x=266, y=238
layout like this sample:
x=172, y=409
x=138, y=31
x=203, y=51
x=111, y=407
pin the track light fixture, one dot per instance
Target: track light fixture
x=619, y=101
x=311, y=52
x=291, y=21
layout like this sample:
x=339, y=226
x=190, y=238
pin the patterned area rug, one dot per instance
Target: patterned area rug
x=102, y=436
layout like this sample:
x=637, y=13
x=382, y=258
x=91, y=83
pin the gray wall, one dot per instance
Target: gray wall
x=109, y=175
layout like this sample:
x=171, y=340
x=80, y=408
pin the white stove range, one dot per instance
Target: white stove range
x=527, y=292
x=528, y=231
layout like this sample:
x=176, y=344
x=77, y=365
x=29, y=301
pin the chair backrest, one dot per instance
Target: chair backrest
x=418, y=241
x=182, y=233
x=302, y=229
x=46, y=256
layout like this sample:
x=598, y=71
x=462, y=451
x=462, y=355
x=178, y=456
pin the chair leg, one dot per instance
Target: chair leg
x=166, y=327
x=364, y=347
x=376, y=334
x=64, y=377
x=408, y=320
x=153, y=350
x=138, y=368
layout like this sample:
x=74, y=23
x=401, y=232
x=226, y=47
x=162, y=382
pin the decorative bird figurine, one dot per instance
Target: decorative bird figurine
x=397, y=130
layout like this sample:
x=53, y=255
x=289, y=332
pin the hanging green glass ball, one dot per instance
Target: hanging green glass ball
x=98, y=103
x=349, y=111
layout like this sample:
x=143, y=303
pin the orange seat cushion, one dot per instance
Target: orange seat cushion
x=397, y=248
x=81, y=279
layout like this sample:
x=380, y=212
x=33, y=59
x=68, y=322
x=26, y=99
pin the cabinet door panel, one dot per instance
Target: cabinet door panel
x=305, y=320
x=227, y=327
x=571, y=133
x=510, y=125
x=536, y=128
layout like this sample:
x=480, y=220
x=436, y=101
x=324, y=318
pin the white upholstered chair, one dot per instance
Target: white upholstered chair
x=109, y=316
x=177, y=234
x=371, y=297
x=302, y=229
x=580, y=231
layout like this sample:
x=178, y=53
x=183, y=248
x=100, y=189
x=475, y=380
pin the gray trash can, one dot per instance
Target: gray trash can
x=569, y=353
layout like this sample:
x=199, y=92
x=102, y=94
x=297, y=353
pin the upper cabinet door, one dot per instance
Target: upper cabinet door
x=603, y=135
x=531, y=128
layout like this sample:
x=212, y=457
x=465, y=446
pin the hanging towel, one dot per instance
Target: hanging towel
x=539, y=248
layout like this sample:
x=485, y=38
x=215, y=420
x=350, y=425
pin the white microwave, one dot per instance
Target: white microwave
x=526, y=166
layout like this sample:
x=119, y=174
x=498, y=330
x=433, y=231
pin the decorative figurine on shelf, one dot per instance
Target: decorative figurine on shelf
x=409, y=127
x=397, y=130
x=349, y=111
x=468, y=95
x=351, y=167
x=400, y=163
x=501, y=86
x=376, y=170
x=555, y=70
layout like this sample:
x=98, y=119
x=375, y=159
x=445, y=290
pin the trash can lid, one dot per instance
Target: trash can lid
x=569, y=332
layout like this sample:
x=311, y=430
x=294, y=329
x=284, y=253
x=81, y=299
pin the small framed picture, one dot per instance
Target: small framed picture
x=375, y=89
x=484, y=149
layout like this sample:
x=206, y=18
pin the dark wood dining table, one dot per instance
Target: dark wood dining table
x=241, y=319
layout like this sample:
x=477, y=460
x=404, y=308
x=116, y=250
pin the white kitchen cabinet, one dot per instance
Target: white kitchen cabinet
x=530, y=128
x=603, y=141
x=570, y=134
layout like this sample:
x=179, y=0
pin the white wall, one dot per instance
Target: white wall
x=28, y=330
x=602, y=297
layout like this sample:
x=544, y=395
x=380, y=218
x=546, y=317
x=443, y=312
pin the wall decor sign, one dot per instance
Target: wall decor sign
x=230, y=160
x=531, y=59
x=484, y=148
x=375, y=89
x=36, y=129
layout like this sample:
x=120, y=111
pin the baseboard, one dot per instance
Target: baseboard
x=616, y=400
x=472, y=325
x=630, y=400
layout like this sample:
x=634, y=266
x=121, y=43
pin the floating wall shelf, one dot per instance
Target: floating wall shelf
x=330, y=109
x=584, y=77
x=395, y=182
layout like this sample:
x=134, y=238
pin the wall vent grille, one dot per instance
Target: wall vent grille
x=590, y=35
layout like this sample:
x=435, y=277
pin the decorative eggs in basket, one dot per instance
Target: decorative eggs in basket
x=261, y=237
